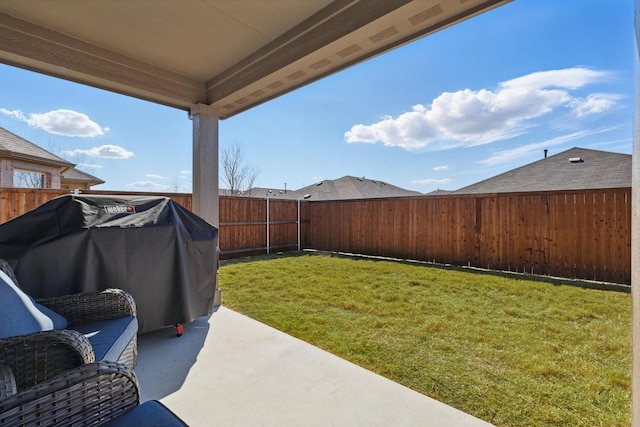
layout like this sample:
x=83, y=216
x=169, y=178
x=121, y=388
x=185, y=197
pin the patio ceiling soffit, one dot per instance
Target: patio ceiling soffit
x=320, y=38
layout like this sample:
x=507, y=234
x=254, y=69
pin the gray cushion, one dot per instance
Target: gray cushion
x=109, y=338
x=20, y=315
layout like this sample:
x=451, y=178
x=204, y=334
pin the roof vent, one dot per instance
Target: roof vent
x=575, y=160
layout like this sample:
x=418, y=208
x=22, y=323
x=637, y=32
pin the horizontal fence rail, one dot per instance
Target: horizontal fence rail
x=243, y=226
x=569, y=234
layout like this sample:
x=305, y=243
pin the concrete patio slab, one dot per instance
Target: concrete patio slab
x=232, y=371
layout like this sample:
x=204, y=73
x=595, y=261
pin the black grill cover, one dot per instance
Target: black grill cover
x=158, y=251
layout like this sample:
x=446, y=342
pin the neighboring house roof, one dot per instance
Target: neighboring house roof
x=262, y=192
x=77, y=175
x=438, y=192
x=347, y=187
x=14, y=147
x=257, y=192
x=574, y=169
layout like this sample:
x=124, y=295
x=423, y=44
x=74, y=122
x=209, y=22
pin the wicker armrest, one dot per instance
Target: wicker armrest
x=37, y=357
x=7, y=382
x=88, y=395
x=89, y=307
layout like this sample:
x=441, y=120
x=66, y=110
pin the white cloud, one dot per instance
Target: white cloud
x=150, y=175
x=16, y=114
x=88, y=166
x=467, y=118
x=441, y=168
x=148, y=186
x=186, y=173
x=508, y=156
x=594, y=104
x=60, y=122
x=102, y=152
x=568, y=78
x=432, y=181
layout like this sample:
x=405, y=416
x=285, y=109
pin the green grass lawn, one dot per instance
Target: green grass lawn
x=513, y=352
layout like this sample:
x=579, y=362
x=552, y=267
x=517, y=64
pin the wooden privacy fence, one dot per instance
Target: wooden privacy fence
x=244, y=230
x=570, y=234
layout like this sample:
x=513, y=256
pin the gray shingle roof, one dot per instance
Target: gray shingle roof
x=13, y=146
x=347, y=187
x=574, y=169
x=351, y=187
x=74, y=174
x=438, y=192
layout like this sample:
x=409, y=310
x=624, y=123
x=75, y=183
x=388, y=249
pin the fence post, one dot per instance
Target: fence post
x=298, y=224
x=306, y=196
x=267, y=222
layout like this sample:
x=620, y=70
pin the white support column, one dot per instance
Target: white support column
x=205, y=163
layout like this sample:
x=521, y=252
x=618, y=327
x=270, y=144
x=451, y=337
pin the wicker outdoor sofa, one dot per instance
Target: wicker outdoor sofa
x=96, y=394
x=69, y=360
x=78, y=329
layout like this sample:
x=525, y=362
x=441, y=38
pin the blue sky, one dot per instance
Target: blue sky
x=462, y=105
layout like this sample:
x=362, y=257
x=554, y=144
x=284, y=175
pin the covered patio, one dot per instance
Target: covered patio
x=215, y=59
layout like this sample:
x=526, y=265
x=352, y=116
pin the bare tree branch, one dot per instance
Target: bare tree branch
x=236, y=176
x=176, y=185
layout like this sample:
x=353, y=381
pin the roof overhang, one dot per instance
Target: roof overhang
x=62, y=164
x=231, y=55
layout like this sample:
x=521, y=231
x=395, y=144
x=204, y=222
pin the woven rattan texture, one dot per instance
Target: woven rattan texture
x=37, y=357
x=89, y=395
x=7, y=382
x=80, y=309
x=129, y=356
